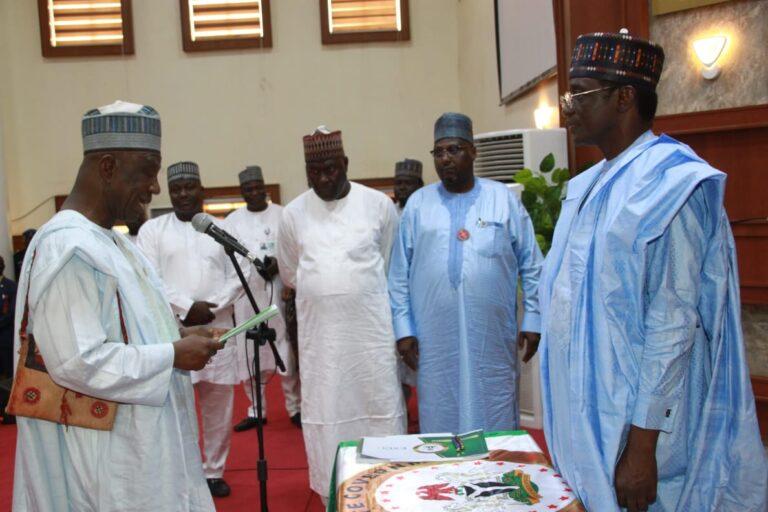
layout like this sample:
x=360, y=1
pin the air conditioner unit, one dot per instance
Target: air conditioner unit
x=500, y=155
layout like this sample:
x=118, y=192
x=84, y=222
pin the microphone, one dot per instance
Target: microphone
x=203, y=223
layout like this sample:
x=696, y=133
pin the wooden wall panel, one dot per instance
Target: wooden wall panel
x=760, y=387
x=752, y=249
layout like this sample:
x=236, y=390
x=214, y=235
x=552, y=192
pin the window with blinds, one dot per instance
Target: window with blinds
x=353, y=21
x=72, y=28
x=225, y=24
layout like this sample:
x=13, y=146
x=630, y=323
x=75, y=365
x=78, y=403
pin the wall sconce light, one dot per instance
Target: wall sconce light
x=543, y=117
x=708, y=50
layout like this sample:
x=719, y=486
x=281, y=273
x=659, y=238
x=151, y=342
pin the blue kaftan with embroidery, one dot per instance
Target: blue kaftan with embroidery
x=459, y=298
x=641, y=326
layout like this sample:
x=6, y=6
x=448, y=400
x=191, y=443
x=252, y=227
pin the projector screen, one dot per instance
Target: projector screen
x=525, y=42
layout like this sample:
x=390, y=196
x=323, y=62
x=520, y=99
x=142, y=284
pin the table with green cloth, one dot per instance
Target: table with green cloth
x=516, y=476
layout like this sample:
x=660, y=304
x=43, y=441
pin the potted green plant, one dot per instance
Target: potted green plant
x=543, y=198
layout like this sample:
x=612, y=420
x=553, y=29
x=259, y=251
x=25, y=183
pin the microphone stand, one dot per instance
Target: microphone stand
x=260, y=335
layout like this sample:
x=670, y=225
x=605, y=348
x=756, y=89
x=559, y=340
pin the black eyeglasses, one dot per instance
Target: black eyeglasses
x=452, y=150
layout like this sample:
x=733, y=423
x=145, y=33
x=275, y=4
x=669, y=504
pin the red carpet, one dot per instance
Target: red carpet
x=288, y=489
x=288, y=484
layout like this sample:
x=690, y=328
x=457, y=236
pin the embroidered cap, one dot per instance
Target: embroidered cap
x=121, y=125
x=408, y=168
x=250, y=173
x=618, y=58
x=183, y=171
x=323, y=144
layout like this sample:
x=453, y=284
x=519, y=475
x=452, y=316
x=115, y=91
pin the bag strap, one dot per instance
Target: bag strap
x=65, y=409
x=25, y=316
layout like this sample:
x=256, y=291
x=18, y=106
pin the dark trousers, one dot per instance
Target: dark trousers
x=6, y=352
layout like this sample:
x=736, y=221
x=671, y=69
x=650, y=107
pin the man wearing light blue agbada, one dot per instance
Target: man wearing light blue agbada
x=647, y=397
x=461, y=247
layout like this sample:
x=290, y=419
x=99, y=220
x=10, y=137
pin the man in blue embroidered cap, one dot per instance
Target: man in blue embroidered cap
x=646, y=392
x=99, y=318
x=202, y=288
x=461, y=247
x=407, y=181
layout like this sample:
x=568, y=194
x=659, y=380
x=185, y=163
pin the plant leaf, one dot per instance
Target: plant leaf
x=560, y=176
x=529, y=200
x=543, y=244
x=523, y=176
x=538, y=185
x=547, y=164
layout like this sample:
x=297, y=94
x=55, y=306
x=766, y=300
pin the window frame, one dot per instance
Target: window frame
x=365, y=37
x=89, y=50
x=385, y=185
x=265, y=41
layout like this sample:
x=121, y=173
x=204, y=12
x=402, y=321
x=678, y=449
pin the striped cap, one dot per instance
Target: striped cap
x=251, y=173
x=183, y=171
x=121, y=125
x=322, y=145
x=408, y=168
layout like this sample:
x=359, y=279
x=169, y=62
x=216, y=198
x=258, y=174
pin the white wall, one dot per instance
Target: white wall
x=478, y=75
x=5, y=239
x=227, y=109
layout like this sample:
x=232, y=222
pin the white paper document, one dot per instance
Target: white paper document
x=426, y=447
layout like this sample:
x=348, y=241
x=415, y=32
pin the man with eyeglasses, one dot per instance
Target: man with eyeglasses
x=333, y=248
x=461, y=247
x=647, y=397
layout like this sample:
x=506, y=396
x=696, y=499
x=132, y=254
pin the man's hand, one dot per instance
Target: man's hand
x=204, y=331
x=288, y=294
x=193, y=352
x=531, y=339
x=199, y=314
x=271, y=268
x=408, y=348
x=636, y=474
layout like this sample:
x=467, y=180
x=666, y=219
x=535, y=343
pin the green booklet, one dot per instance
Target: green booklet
x=251, y=323
x=426, y=447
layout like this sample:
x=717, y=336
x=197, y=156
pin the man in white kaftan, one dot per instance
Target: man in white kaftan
x=80, y=278
x=408, y=179
x=201, y=284
x=256, y=226
x=333, y=249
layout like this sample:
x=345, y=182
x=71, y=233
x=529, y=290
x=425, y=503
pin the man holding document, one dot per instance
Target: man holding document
x=202, y=287
x=95, y=319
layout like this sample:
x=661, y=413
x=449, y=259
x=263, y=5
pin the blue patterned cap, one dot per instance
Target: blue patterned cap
x=121, y=125
x=452, y=125
x=251, y=173
x=183, y=171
